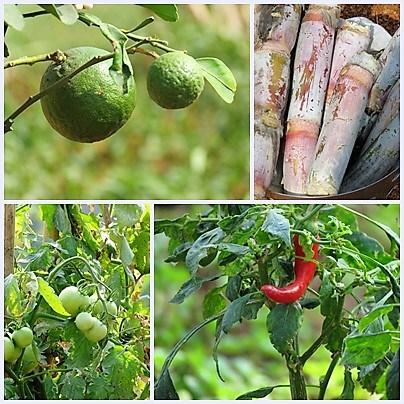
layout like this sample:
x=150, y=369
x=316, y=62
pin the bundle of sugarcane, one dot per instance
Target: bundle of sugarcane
x=344, y=94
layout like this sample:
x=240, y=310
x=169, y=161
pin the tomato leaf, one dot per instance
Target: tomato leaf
x=220, y=77
x=49, y=295
x=13, y=17
x=126, y=254
x=167, y=12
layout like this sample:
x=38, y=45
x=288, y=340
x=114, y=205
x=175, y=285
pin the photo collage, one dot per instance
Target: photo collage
x=210, y=204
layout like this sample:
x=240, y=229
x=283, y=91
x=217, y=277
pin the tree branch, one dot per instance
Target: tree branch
x=57, y=56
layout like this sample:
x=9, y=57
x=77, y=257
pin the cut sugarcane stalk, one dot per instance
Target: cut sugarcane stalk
x=310, y=80
x=392, y=105
x=389, y=74
x=390, y=109
x=276, y=32
x=379, y=158
x=341, y=125
x=353, y=37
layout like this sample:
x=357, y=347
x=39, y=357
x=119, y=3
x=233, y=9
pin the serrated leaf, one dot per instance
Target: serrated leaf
x=220, y=77
x=167, y=12
x=66, y=13
x=277, y=225
x=50, y=297
x=283, y=324
x=362, y=350
x=13, y=17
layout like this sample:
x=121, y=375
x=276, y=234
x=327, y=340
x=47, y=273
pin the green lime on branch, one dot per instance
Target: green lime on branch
x=91, y=106
x=175, y=80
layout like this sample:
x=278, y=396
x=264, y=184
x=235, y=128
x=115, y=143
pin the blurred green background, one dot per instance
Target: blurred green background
x=247, y=359
x=201, y=152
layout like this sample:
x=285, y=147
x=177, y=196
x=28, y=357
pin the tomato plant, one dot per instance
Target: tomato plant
x=331, y=289
x=65, y=260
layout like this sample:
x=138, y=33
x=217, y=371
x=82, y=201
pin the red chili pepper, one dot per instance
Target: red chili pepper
x=304, y=273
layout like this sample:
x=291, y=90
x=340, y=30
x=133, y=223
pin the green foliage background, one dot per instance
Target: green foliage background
x=197, y=153
x=248, y=360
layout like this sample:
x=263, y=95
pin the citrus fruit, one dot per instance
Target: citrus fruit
x=91, y=106
x=175, y=80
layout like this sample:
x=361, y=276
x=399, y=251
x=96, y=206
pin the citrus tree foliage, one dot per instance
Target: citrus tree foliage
x=103, y=250
x=169, y=89
x=250, y=245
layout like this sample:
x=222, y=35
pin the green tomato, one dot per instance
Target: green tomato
x=112, y=309
x=97, y=332
x=11, y=352
x=72, y=300
x=30, y=359
x=84, y=321
x=23, y=337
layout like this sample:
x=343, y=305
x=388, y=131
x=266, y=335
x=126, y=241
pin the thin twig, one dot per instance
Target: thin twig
x=57, y=56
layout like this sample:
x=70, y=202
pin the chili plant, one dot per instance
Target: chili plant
x=76, y=302
x=240, y=259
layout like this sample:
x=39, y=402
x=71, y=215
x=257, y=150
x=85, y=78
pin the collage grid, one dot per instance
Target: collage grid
x=201, y=210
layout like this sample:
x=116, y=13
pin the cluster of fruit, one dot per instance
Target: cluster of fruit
x=21, y=340
x=75, y=303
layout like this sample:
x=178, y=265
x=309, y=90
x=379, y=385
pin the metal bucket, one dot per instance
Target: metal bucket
x=380, y=189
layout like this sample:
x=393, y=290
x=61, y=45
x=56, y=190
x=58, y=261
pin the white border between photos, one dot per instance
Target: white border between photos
x=185, y=202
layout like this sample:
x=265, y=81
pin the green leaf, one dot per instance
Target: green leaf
x=349, y=386
x=233, y=248
x=62, y=221
x=201, y=246
x=234, y=313
x=374, y=314
x=167, y=12
x=362, y=350
x=66, y=13
x=13, y=17
x=283, y=324
x=277, y=225
x=220, y=77
x=213, y=302
x=48, y=215
x=191, y=286
x=126, y=254
x=233, y=287
x=121, y=68
x=393, y=379
x=127, y=215
x=50, y=297
x=165, y=389
x=259, y=393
